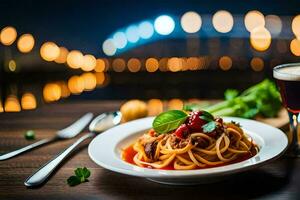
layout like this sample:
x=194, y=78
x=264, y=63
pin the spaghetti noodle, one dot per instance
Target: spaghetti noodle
x=226, y=144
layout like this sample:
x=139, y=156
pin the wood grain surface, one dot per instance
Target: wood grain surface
x=277, y=180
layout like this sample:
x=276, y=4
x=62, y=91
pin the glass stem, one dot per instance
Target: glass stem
x=293, y=137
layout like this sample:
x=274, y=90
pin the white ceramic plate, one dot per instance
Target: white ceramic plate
x=106, y=149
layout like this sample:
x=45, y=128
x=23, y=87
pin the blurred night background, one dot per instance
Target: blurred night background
x=174, y=50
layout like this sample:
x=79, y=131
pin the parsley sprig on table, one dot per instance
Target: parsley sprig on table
x=81, y=176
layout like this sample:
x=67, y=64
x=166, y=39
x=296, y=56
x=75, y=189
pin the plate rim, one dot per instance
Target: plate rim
x=175, y=174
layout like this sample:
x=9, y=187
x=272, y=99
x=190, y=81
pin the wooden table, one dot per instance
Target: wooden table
x=277, y=180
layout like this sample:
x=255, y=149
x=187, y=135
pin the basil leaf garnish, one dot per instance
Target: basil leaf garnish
x=168, y=121
x=209, y=127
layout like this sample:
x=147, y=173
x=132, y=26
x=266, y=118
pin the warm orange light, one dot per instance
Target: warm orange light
x=49, y=51
x=223, y=21
x=65, y=92
x=260, y=38
x=119, y=65
x=134, y=65
x=8, y=35
x=75, y=59
x=12, y=104
x=175, y=104
x=192, y=63
x=225, y=63
x=90, y=81
x=163, y=64
x=191, y=22
x=254, y=19
x=296, y=26
x=1, y=107
x=155, y=107
x=100, y=78
x=89, y=63
x=76, y=84
x=25, y=43
x=295, y=47
x=152, y=64
x=28, y=101
x=63, y=54
x=257, y=64
x=100, y=65
x=175, y=64
x=51, y=92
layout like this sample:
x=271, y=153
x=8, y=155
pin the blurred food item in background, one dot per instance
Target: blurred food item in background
x=133, y=109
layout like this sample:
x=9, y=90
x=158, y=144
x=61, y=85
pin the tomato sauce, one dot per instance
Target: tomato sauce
x=129, y=153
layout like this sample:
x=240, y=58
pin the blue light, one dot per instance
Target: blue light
x=146, y=29
x=164, y=25
x=119, y=40
x=132, y=34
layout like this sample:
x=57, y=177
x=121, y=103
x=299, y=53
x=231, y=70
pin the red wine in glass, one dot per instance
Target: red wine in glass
x=288, y=81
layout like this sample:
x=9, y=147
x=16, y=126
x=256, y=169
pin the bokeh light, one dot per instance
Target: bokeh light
x=118, y=65
x=89, y=80
x=28, y=101
x=63, y=54
x=175, y=104
x=76, y=84
x=175, y=64
x=152, y=64
x=51, y=92
x=132, y=34
x=254, y=19
x=223, y=21
x=1, y=106
x=296, y=26
x=100, y=65
x=119, y=40
x=260, y=38
x=8, y=35
x=257, y=64
x=12, y=65
x=12, y=104
x=191, y=22
x=49, y=51
x=88, y=63
x=75, y=59
x=273, y=24
x=65, y=92
x=295, y=47
x=25, y=43
x=155, y=107
x=164, y=25
x=108, y=47
x=163, y=64
x=145, y=29
x=100, y=78
x=134, y=65
x=225, y=63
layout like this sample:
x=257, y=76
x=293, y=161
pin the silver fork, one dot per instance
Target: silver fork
x=66, y=133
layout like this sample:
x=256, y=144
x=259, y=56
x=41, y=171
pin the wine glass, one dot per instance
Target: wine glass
x=288, y=81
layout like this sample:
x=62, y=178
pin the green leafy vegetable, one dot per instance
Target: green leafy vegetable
x=196, y=106
x=168, y=121
x=231, y=94
x=209, y=127
x=260, y=99
x=29, y=135
x=81, y=176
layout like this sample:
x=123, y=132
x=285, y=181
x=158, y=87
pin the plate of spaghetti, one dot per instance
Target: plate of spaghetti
x=180, y=147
